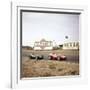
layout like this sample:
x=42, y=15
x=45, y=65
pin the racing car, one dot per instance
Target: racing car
x=54, y=56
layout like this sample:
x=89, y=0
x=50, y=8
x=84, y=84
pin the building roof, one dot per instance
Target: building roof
x=42, y=40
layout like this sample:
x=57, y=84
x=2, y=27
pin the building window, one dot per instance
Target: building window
x=70, y=44
x=77, y=44
x=65, y=44
x=74, y=44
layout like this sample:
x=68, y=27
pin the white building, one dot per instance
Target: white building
x=71, y=45
x=43, y=45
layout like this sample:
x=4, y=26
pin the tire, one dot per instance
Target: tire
x=58, y=58
x=49, y=58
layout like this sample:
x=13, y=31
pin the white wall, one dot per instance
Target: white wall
x=48, y=48
x=5, y=44
x=72, y=46
x=37, y=48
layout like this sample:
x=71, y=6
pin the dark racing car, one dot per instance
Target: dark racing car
x=37, y=57
x=32, y=56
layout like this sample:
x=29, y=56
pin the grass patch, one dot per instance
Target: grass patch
x=52, y=66
x=60, y=69
x=45, y=68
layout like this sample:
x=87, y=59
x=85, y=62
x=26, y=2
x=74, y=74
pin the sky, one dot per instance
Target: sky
x=53, y=27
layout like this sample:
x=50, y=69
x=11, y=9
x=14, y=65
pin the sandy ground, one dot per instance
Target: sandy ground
x=33, y=68
x=45, y=68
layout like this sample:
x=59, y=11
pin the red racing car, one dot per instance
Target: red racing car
x=54, y=56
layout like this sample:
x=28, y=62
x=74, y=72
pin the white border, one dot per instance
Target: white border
x=51, y=81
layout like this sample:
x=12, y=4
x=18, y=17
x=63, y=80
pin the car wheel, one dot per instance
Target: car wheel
x=49, y=58
x=58, y=58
